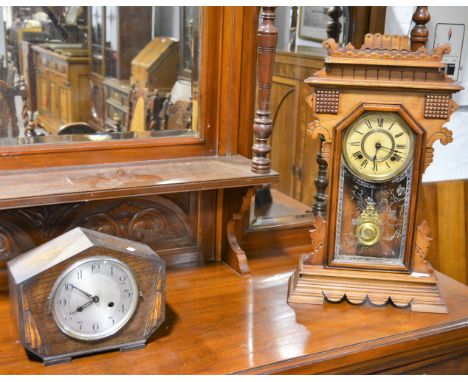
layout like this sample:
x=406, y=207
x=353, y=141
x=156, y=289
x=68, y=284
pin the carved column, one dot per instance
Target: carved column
x=266, y=45
x=334, y=26
x=420, y=33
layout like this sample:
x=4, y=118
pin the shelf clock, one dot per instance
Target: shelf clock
x=379, y=109
x=85, y=292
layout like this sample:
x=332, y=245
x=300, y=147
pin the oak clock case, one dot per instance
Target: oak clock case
x=85, y=292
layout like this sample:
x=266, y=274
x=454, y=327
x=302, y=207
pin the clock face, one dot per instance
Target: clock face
x=378, y=146
x=94, y=298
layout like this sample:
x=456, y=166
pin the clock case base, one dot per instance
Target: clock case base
x=64, y=358
x=314, y=284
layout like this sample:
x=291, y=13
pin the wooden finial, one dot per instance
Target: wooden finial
x=267, y=35
x=334, y=25
x=420, y=33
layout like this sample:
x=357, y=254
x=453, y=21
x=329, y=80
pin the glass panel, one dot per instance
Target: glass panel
x=87, y=68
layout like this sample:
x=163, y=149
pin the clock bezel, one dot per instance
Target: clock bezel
x=336, y=161
x=131, y=312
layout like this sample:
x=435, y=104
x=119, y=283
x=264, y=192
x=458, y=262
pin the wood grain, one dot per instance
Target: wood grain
x=68, y=184
x=444, y=206
x=217, y=322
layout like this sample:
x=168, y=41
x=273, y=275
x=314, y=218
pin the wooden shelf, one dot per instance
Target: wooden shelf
x=218, y=322
x=71, y=184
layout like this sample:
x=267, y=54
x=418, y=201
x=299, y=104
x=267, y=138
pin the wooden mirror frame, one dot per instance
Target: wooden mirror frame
x=224, y=122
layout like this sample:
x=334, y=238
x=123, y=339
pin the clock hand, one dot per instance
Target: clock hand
x=82, y=291
x=395, y=151
x=82, y=307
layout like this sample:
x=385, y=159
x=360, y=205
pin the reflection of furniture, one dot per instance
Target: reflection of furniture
x=155, y=67
x=246, y=327
x=76, y=128
x=116, y=103
x=290, y=116
x=63, y=93
x=9, y=126
x=117, y=34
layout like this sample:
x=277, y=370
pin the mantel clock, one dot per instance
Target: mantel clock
x=379, y=110
x=85, y=292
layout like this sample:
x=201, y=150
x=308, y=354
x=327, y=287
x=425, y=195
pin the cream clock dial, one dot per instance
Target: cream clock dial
x=94, y=298
x=378, y=146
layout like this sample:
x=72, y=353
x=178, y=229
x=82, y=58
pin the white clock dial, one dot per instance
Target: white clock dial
x=378, y=146
x=94, y=298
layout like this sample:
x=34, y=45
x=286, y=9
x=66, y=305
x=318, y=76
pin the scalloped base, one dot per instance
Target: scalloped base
x=315, y=284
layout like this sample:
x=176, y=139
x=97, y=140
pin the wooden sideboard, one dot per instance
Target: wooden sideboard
x=220, y=323
x=63, y=88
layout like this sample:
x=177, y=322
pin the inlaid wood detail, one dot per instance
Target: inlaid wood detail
x=437, y=106
x=327, y=101
x=31, y=335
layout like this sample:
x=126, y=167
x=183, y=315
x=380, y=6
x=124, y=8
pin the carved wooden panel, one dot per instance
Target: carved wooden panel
x=437, y=106
x=168, y=224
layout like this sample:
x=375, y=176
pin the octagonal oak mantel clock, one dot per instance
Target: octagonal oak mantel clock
x=379, y=110
x=85, y=292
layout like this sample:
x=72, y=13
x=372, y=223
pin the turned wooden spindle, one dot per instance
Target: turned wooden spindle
x=334, y=26
x=267, y=35
x=24, y=98
x=319, y=206
x=420, y=32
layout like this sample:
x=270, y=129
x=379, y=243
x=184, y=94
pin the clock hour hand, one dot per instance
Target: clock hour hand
x=82, y=307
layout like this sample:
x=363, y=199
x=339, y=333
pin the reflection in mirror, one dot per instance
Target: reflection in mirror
x=97, y=73
x=299, y=54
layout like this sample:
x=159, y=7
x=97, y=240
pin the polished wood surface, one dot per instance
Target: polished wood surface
x=218, y=322
x=62, y=88
x=68, y=184
x=444, y=206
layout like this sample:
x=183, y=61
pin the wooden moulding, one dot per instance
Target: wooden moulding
x=314, y=283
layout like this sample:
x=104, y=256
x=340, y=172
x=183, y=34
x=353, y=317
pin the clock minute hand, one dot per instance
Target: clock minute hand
x=394, y=151
x=82, y=291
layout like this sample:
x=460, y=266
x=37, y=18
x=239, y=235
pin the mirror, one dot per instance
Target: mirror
x=112, y=72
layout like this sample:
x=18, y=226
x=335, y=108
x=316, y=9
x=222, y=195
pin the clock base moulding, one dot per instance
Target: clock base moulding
x=312, y=284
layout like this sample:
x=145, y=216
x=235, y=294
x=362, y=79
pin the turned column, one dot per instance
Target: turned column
x=420, y=33
x=267, y=35
x=334, y=26
x=319, y=206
